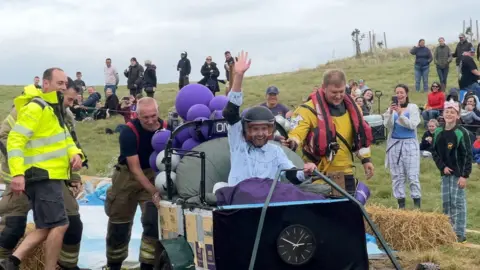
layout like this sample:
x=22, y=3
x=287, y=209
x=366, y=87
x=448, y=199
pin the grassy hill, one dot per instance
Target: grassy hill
x=381, y=72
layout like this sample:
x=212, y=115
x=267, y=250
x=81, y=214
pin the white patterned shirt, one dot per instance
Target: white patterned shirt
x=248, y=161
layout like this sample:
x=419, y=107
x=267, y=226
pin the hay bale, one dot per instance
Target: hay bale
x=34, y=260
x=406, y=230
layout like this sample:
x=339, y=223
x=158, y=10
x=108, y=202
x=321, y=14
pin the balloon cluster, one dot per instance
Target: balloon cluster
x=194, y=102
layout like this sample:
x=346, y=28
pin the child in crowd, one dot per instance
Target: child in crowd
x=427, y=138
x=452, y=153
x=476, y=147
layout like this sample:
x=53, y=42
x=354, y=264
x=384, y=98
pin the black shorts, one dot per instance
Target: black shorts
x=46, y=200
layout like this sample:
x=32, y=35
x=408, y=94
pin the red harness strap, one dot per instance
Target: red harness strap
x=134, y=129
x=326, y=129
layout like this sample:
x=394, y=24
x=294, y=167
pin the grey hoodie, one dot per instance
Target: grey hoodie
x=471, y=117
x=442, y=56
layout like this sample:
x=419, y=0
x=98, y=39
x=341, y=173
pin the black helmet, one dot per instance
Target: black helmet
x=258, y=115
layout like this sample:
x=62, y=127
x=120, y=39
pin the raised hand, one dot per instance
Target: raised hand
x=242, y=64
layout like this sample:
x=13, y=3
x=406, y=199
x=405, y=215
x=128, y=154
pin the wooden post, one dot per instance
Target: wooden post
x=471, y=30
x=370, y=41
x=385, y=40
x=374, y=42
x=478, y=36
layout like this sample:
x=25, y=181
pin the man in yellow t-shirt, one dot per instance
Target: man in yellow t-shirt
x=330, y=129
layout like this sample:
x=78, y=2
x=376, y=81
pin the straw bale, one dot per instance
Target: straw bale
x=406, y=230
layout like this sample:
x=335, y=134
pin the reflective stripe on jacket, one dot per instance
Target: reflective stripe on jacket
x=39, y=145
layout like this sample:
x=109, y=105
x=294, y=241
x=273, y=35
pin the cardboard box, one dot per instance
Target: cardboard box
x=171, y=220
x=199, y=228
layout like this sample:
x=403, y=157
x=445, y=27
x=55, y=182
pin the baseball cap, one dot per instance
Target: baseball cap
x=272, y=90
x=472, y=50
x=361, y=81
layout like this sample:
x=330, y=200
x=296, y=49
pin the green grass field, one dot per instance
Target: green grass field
x=381, y=72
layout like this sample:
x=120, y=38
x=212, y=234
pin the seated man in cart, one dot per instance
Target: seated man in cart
x=330, y=129
x=248, y=138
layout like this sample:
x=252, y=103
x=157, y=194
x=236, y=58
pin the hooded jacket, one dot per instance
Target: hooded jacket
x=150, y=76
x=40, y=152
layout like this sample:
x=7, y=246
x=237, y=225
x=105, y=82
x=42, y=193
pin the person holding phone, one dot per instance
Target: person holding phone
x=403, y=153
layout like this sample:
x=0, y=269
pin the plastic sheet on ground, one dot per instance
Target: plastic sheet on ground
x=374, y=253
x=93, y=247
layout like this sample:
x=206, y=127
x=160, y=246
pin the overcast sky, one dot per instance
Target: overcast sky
x=280, y=35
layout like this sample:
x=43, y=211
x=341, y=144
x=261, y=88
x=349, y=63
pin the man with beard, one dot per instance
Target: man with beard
x=184, y=68
x=133, y=185
x=248, y=137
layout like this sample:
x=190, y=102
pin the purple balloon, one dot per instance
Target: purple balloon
x=159, y=140
x=190, y=95
x=153, y=160
x=203, y=130
x=217, y=114
x=181, y=137
x=190, y=144
x=198, y=110
x=218, y=103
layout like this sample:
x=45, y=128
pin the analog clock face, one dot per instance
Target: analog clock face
x=296, y=245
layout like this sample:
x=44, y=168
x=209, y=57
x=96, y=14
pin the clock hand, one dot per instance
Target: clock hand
x=300, y=238
x=288, y=241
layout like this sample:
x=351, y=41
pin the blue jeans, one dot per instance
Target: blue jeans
x=442, y=75
x=113, y=87
x=430, y=114
x=475, y=87
x=421, y=73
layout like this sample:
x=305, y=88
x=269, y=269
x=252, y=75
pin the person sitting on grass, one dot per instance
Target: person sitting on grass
x=452, y=153
x=470, y=113
x=435, y=101
x=361, y=103
x=427, y=138
x=476, y=148
x=248, y=138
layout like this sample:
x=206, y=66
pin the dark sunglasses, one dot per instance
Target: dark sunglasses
x=209, y=59
x=435, y=86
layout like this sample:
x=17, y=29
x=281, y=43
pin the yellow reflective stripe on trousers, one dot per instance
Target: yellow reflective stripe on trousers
x=46, y=141
x=11, y=121
x=5, y=176
x=23, y=130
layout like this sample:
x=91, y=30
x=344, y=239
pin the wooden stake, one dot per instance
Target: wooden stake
x=370, y=41
x=385, y=40
x=478, y=36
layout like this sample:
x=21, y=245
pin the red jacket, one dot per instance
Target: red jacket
x=436, y=100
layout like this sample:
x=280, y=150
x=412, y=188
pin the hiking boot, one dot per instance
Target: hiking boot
x=401, y=203
x=417, y=202
x=461, y=239
x=8, y=264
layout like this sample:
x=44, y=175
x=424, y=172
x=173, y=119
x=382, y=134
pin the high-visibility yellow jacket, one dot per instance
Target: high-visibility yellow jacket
x=40, y=146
